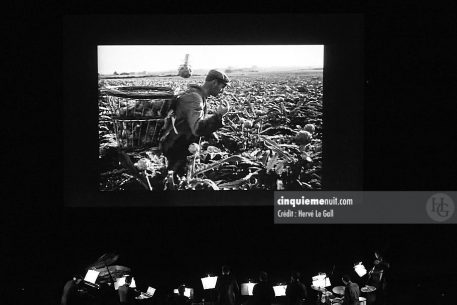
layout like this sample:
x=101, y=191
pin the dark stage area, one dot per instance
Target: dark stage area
x=166, y=247
x=408, y=106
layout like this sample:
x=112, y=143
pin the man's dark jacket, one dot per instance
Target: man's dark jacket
x=191, y=122
x=263, y=294
x=351, y=294
x=296, y=292
x=227, y=290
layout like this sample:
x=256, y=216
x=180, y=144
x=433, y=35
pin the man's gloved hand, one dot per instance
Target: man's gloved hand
x=223, y=109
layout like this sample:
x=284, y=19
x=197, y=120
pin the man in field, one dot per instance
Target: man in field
x=191, y=119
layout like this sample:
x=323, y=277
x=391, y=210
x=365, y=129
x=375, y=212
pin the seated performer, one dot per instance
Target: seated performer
x=181, y=299
x=263, y=292
x=126, y=294
x=69, y=295
x=296, y=291
x=351, y=291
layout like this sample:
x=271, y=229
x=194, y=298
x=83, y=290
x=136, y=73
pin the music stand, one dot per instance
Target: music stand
x=360, y=269
x=280, y=290
x=209, y=282
x=246, y=288
x=151, y=291
x=319, y=283
x=121, y=281
x=188, y=292
x=91, y=276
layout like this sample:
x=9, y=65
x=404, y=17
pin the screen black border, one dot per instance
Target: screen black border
x=342, y=35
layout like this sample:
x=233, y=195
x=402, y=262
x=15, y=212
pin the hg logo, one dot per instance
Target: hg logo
x=440, y=207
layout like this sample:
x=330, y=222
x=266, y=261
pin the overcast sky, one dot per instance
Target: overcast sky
x=137, y=58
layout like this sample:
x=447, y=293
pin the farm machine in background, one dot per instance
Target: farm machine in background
x=184, y=70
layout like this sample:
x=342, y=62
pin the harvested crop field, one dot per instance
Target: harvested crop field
x=271, y=138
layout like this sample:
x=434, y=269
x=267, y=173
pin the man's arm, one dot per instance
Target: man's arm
x=192, y=106
x=236, y=288
x=305, y=291
x=216, y=288
x=272, y=294
x=66, y=290
x=255, y=290
x=354, y=294
x=347, y=296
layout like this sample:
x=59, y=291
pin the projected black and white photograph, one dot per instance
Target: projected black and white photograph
x=210, y=117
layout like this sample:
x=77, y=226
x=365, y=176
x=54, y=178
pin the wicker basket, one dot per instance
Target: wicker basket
x=138, y=114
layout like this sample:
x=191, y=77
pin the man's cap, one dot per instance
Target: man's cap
x=220, y=76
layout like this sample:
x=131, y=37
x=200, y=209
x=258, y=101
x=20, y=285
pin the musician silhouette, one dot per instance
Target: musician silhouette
x=70, y=293
x=263, y=293
x=377, y=276
x=296, y=291
x=351, y=291
x=126, y=293
x=227, y=288
x=108, y=295
x=181, y=299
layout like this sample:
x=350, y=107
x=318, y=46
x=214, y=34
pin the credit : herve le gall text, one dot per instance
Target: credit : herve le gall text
x=305, y=214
